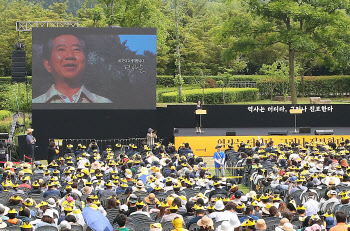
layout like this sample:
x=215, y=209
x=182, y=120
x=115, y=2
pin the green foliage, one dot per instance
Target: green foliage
x=161, y=90
x=214, y=95
x=20, y=10
x=326, y=86
x=210, y=83
x=314, y=27
x=169, y=80
x=277, y=74
x=4, y=114
x=18, y=97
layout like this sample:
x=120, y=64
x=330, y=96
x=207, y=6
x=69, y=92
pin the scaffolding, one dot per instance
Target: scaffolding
x=28, y=25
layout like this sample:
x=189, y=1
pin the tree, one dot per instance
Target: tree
x=302, y=25
x=10, y=12
x=277, y=75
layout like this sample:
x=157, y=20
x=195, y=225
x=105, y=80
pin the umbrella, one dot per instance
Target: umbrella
x=95, y=220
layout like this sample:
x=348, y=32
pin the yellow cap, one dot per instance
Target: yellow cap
x=12, y=211
x=140, y=203
x=174, y=207
x=26, y=225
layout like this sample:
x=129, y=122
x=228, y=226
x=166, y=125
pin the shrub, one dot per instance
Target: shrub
x=168, y=81
x=162, y=90
x=4, y=114
x=214, y=95
x=18, y=92
x=210, y=83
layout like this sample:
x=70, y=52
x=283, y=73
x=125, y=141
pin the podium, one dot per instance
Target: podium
x=200, y=112
x=295, y=112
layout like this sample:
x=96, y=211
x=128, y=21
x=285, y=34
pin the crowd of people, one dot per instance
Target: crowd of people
x=169, y=188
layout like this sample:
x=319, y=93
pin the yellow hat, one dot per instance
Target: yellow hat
x=248, y=222
x=164, y=205
x=26, y=225
x=156, y=225
x=216, y=183
x=109, y=184
x=174, y=207
x=211, y=207
x=29, y=202
x=241, y=206
x=140, y=203
x=43, y=203
x=12, y=211
x=16, y=198
x=254, y=203
x=328, y=215
x=94, y=197
x=301, y=207
x=264, y=197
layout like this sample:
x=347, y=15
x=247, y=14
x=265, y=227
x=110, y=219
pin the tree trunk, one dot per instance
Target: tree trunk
x=112, y=8
x=178, y=55
x=293, y=92
x=302, y=85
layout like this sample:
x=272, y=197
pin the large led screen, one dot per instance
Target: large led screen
x=94, y=68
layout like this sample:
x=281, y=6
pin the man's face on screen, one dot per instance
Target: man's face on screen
x=67, y=58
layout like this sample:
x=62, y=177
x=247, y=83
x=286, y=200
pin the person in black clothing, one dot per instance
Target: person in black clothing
x=217, y=190
x=52, y=152
x=3, y=153
x=198, y=117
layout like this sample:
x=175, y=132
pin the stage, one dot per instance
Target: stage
x=204, y=144
x=255, y=131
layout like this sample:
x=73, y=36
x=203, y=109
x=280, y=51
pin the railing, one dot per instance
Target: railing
x=242, y=84
x=102, y=144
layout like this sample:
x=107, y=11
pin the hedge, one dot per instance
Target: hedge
x=161, y=90
x=323, y=86
x=168, y=81
x=214, y=95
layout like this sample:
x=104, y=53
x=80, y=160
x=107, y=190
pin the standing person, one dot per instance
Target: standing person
x=52, y=152
x=30, y=143
x=219, y=159
x=198, y=117
x=151, y=135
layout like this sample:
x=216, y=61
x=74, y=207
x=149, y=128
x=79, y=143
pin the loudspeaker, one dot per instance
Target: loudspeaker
x=305, y=130
x=324, y=132
x=22, y=146
x=230, y=133
x=18, y=67
x=277, y=133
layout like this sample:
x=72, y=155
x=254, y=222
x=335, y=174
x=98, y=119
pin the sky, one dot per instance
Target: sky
x=140, y=43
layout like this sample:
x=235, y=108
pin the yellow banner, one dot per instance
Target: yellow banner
x=205, y=145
